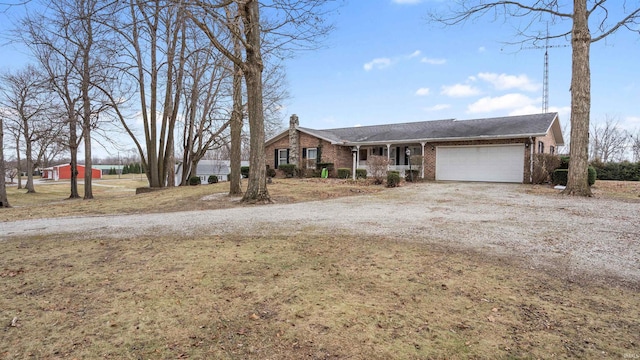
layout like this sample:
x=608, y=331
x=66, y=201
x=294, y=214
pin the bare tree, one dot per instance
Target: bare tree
x=607, y=141
x=25, y=95
x=14, y=128
x=4, y=202
x=152, y=36
x=71, y=43
x=290, y=23
x=584, y=12
x=635, y=145
x=205, y=110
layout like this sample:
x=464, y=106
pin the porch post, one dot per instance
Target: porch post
x=354, y=152
x=357, y=164
x=388, y=155
x=422, y=160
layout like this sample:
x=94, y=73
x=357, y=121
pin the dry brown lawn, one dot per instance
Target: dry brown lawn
x=286, y=296
x=118, y=197
x=610, y=189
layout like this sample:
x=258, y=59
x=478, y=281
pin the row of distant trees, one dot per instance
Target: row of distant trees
x=178, y=77
x=609, y=142
x=135, y=168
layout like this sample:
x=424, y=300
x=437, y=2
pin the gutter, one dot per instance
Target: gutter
x=431, y=140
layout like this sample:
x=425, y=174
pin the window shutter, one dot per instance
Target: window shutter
x=304, y=153
x=275, y=159
x=287, y=156
x=398, y=155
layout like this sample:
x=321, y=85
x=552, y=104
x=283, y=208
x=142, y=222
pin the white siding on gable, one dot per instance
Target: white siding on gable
x=492, y=163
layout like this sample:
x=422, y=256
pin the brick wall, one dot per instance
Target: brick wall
x=340, y=156
x=548, y=140
x=430, y=154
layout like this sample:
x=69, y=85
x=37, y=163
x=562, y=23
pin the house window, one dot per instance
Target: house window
x=379, y=151
x=363, y=154
x=540, y=147
x=312, y=158
x=283, y=157
x=552, y=150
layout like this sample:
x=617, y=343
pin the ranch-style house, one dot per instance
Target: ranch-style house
x=496, y=149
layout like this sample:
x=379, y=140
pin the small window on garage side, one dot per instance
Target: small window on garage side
x=540, y=147
x=552, y=150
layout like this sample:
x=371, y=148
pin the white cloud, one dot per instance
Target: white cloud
x=509, y=101
x=438, y=107
x=482, y=49
x=506, y=82
x=433, y=61
x=379, y=63
x=460, y=90
x=423, y=92
x=385, y=62
x=632, y=120
x=410, y=2
x=563, y=111
x=526, y=110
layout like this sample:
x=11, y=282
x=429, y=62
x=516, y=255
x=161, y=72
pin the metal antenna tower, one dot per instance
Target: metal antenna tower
x=545, y=74
x=545, y=81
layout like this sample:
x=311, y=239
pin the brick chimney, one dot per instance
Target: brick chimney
x=293, y=139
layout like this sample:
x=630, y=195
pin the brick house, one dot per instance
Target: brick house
x=492, y=149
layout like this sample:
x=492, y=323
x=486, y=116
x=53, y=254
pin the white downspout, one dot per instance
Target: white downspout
x=422, y=160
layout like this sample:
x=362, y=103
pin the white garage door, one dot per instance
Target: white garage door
x=499, y=163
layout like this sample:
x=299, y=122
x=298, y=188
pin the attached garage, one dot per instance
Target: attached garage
x=492, y=163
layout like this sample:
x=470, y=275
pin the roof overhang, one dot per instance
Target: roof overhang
x=556, y=130
x=302, y=130
x=447, y=139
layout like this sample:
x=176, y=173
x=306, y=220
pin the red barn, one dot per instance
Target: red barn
x=63, y=172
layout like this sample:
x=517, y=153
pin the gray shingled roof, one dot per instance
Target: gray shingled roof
x=450, y=129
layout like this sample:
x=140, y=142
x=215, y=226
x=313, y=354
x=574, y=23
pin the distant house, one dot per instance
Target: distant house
x=491, y=149
x=206, y=168
x=63, y=172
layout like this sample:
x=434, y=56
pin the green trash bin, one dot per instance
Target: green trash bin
x=325, y=173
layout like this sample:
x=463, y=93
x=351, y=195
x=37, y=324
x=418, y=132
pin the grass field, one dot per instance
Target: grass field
x=282, y=296
x=117, y=196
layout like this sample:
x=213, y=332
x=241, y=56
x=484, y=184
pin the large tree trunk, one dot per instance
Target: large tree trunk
x=19, y=164
x=235, y=188
x=73, y=149
x=577, y=181
x=29, y=158
x=236, y=125
x=4, y=202
x=257, y=187
x=88, y=189
x=86, y=110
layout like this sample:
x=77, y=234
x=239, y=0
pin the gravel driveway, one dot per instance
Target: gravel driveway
x=576, y=236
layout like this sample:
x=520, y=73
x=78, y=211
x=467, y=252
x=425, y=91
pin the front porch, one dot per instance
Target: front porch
x=400, y=157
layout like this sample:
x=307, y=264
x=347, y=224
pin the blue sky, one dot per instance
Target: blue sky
x=386, y=64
